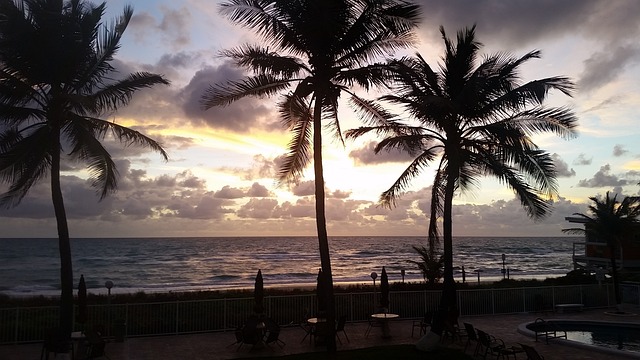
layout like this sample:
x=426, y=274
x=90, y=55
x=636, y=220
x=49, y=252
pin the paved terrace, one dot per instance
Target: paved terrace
x=215, y=345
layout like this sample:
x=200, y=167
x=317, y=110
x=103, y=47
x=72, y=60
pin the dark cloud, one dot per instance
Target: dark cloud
x=305, y=188
x=603, y=67
x=582, y=160
x=242, y=116
x=602, y=178
x=562, y=168
x=228, y=192
x=258, y=190
x=366, y=156
x=258, y=209
x=619, y=150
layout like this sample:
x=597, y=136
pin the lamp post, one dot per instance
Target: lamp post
x=108, y=284
x=504, y=270
x=402, y=274
x=374, y=275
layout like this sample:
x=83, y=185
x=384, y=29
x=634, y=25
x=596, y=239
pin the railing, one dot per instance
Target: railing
x=19, y=325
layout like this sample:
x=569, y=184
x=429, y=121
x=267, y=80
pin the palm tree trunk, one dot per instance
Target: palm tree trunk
x=614, y=275
x=321, y=224
x=64, y=245
x=448, y=297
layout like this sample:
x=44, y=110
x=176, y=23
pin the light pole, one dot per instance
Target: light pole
x=504, y=270
x=402, y=274
x=374, y=275
x=108, y=284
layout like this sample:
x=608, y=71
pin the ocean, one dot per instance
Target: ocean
x=30, y=267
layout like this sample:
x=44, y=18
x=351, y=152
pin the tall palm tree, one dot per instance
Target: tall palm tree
x=612, y=221
x=322, y=49
x=472, y=119
x=55, y=83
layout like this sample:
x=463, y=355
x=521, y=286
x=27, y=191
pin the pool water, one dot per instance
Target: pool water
x=621, y=338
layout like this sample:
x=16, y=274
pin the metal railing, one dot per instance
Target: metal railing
x=19, y=325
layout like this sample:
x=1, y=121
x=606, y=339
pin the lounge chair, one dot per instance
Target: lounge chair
x=342, y=321
x=532, y=353
x=422, y=323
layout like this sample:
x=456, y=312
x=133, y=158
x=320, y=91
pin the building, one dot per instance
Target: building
x=593, y=253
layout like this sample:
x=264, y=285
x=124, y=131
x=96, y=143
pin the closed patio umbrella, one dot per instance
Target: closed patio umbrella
x=258, y=294
x=384, y=290
x=321, y=294
x=82, y=302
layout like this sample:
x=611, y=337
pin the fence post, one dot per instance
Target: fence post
x=493, y=302
x=224, y=313
x=553, y=297
x=581, y=297
x=177, y=316
x=524, y=300
x=351, y=306
x=17, y=323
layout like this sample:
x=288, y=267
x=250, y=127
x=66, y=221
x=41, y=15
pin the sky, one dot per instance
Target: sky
x=220, y=176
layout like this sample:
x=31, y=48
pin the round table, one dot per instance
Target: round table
x=384, y=321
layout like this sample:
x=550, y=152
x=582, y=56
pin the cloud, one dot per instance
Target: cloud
x=602, y=178
x=582, y=160
x=173, y=27
x=562, y=168
x=604, y=67
x=242, y=116
x=619, y=150
x=305, y=188
x=256, y=190
x=367, y=156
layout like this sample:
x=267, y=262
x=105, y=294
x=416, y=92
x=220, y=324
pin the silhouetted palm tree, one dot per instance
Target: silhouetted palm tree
x=55, y=83
x=612, y=221
x=472, y=119
x=322, y=48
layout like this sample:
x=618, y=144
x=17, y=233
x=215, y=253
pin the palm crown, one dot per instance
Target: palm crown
x=55, y=82
x=325, y=47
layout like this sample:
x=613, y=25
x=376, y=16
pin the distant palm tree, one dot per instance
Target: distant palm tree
x=323, y=48
x=430, y=264
x=612, y=221
x=55, y=82
x=472, y=119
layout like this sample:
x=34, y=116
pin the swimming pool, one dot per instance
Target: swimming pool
x=616, y=338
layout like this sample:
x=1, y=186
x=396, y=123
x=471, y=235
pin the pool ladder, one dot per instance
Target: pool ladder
x=550, y=330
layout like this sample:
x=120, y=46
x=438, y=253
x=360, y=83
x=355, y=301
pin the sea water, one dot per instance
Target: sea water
x=31, y=266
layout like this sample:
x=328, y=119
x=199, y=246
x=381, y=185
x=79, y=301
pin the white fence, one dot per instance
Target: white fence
x=19, y=325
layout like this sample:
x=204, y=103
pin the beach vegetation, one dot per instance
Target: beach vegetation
x=313, y=52
x=611, y=221
x=56, y=86
x=470, y=118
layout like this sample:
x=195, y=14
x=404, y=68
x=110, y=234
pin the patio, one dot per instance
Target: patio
x=215, y=345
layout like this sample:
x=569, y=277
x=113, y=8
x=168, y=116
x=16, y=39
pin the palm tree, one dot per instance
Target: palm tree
x=612, y=221
x=472, y=119
x=322, y=49
x=430, y=264
x=55, y=83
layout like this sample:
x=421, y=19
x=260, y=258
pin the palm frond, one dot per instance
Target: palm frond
x=296, y=115
x=260, y=85
x=23, y=162
x=388, y=197
x=117, y=94
x=261, y=60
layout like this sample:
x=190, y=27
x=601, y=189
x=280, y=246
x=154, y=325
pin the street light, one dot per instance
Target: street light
x=108, y=284
x=504, y=270
x=374, y=275
x=402, y=274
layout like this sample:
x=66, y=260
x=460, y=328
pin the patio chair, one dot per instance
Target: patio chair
x=372, y=323
x=251, y=334
x=342, y=321
x=96, y=345
x=471, y=336
x=490, y=344
x=55, y=343
x=273, y=335
x=532, y=353
x=422, y=323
